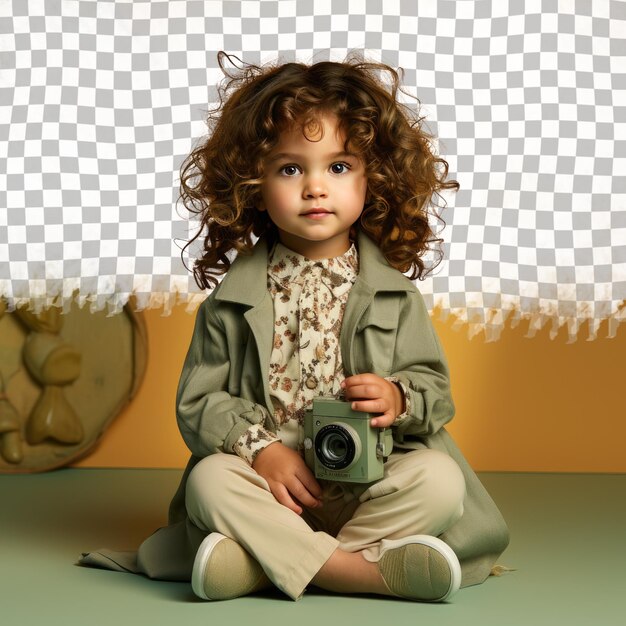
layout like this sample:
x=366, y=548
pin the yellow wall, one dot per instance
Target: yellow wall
x=522, y=404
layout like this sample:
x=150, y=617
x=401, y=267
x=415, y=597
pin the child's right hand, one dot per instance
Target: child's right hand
x=288, y=477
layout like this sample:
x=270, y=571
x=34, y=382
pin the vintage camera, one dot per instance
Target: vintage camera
x=340, y=444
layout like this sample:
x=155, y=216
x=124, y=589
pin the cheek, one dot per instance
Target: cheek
x=279, y=198
x=359, y=192
x=270, y=197
x=277, y=202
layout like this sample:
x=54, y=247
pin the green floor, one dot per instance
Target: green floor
x=568, y=545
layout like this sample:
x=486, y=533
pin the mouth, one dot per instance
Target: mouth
x=316, y=212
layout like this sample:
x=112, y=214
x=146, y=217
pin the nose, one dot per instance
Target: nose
x=314, y=187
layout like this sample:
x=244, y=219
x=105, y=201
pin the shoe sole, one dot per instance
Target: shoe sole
x=200, y=563
x=441, y=547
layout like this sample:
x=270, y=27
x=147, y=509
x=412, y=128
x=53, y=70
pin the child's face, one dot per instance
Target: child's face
x=302, y=175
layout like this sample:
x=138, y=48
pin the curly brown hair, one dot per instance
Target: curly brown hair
x=221, y=179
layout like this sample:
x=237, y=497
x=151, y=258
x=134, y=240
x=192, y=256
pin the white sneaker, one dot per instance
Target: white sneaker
x=420, y=567
x=223, y=570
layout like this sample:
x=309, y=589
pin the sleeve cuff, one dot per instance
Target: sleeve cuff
x=252, y=441
x=407, y=400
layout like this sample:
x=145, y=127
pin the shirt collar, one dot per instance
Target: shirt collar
x=245, y=284
x=286, y=267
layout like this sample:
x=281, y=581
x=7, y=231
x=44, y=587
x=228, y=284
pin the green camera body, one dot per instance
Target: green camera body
x=340, y=444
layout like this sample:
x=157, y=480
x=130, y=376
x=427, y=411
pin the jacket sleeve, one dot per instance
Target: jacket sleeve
x=419, y=363
x=209, y=418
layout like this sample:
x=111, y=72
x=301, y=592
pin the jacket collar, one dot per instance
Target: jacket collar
x=246, y=281
x=374, y=269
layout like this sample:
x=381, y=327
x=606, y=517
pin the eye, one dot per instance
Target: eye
x=339, y=168
x=289, y=170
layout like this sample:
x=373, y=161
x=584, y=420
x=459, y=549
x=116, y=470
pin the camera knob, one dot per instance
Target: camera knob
x=308, y=443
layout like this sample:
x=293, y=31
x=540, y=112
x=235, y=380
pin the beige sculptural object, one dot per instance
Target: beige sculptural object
x=10, y=440
x=53, y=364
x=64, y=376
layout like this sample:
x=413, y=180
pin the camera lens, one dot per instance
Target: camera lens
x=337, y=446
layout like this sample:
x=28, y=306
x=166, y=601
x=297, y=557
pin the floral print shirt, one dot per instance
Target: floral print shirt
x=309, y=302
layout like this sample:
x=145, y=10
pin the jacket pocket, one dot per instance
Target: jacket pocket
x=375, y=341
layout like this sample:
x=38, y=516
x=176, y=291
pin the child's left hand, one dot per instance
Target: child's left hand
x=372, y=394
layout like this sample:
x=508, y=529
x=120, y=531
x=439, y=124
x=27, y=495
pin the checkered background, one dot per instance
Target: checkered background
x=101, y=101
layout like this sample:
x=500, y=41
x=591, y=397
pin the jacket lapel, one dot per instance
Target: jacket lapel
x=246, y=281
x=375, y=275
x=246, y=284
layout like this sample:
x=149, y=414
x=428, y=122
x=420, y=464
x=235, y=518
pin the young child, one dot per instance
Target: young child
x=325, y=166
x=336, y=179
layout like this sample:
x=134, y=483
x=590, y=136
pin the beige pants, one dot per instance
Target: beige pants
x=421, y=492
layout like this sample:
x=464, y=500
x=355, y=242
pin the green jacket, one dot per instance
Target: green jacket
x=223, y=389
